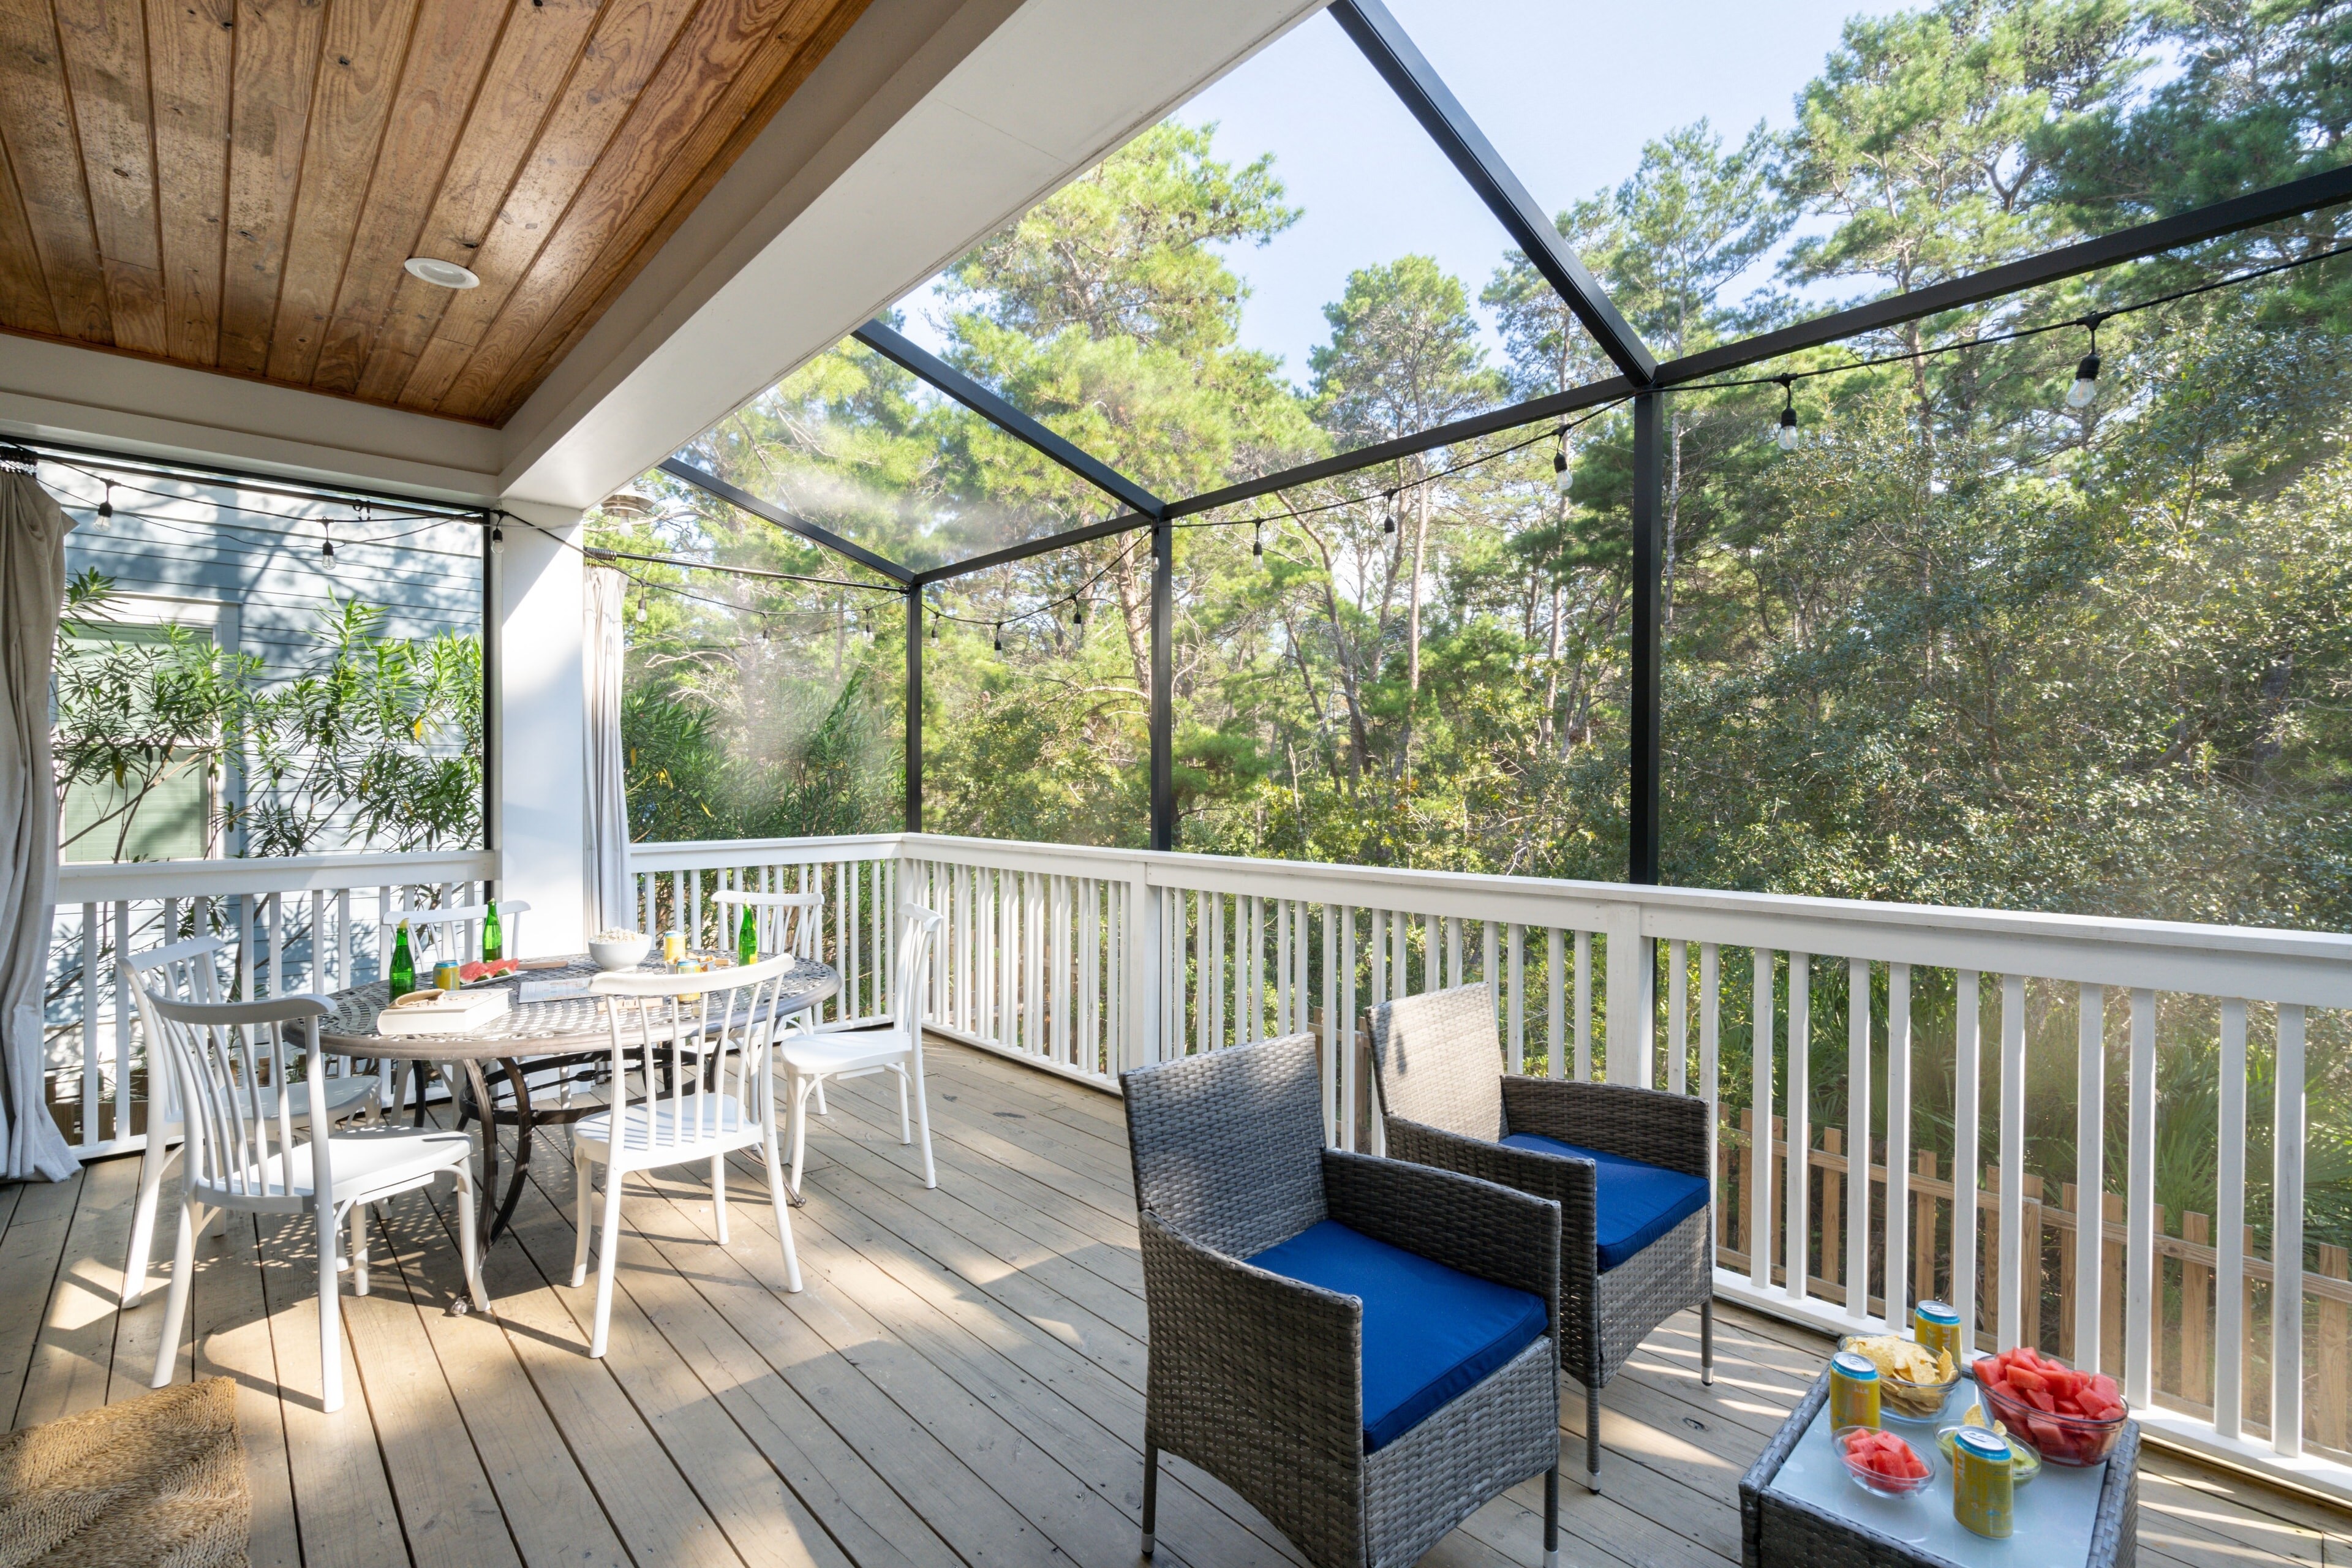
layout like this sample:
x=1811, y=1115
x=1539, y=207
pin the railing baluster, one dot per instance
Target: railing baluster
x=2287, y=1132
x=2090, y=1171
x=1555, y=1016
x=1968, y=1119
x=1759, y=1138
x=1584, y=1006
x=1517, y=977
x=1710, y=1011
x=1432, y=940
x=1857, y=1142
x=1896, y=1290
x=93, y=943
x=1798, y=1204
x=2009, y=1307
x=2140, y=1323
x=1677, y=1016
x=2230, y=1227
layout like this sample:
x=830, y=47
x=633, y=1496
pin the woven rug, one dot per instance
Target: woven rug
x=156, y=1482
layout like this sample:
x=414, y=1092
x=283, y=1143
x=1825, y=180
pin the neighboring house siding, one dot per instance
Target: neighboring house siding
x=257, y=584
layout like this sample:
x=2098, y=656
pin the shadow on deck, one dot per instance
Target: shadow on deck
x=961, y=1383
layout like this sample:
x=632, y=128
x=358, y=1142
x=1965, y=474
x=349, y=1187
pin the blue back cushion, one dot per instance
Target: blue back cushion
x=1635, y=1204
x=1430, y=1333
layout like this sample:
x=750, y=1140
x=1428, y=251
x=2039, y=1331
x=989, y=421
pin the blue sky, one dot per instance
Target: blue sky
x=1568, y=90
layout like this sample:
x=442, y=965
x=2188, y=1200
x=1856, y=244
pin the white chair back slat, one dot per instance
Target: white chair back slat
x=235, y=1065
x=919, y=928
x=717, y=1026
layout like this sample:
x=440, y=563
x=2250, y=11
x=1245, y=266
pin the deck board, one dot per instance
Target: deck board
x=959, y=1386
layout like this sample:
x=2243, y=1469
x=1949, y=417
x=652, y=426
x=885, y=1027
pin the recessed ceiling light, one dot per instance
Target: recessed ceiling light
x=446, y=274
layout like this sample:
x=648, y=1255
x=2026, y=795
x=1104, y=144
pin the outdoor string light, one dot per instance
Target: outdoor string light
x=1388, y=515
x=327, y=538
x=1257, y=543
x=1562, y=477
x=2086, y=375
x=106, y=508
x=645, y=601
x=999, y=636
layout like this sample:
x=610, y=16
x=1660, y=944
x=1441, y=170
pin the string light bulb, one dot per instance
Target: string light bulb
x=498, y=540
x=645, y=599
x=2087, y=374
x=1787, y=434
x=327, y=538
x=1257, y=543
x=1078, y=611
x=999, y=636
x=1388, y=515
x=106, y=507
x=1563, y=476
x=936, y=619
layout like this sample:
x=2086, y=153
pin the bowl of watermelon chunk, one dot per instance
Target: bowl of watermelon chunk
x=1882, y=1463
x=2074, y=1418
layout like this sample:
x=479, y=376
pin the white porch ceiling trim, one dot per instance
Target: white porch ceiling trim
x=929, y=125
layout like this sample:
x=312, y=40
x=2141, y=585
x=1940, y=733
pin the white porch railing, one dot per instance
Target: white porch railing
x=1906, y=1119
x=1086, y=962
x=313, y=922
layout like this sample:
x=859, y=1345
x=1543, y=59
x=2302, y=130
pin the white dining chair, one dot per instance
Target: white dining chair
x=896, y=1047
x=717, y=1097
x=786, y=922
x=246, y=1151
x=189, y=971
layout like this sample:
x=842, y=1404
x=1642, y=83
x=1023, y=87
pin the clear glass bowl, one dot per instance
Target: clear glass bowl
x=2072, y=1440
x=1879, y=1485
x=1902, y=1401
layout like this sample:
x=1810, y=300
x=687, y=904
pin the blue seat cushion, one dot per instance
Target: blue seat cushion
x=1634, y=1203
x=1430, y=1333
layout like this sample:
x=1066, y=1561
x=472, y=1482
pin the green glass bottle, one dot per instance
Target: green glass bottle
x=402, y=972
x=747, y=940
x=494, y=941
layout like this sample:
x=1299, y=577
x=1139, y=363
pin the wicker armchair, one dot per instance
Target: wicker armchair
x=1614, y=1157
x=1260, y=1377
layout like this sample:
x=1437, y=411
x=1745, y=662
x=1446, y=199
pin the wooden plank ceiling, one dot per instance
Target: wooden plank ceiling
x=234, y=183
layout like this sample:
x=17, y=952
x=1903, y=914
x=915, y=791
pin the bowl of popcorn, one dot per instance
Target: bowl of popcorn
x=617, y=949
x=1913, y=1383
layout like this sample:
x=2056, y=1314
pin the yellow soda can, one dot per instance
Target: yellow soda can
x=1984, y=1483
x=673, y=946
x=1937, y=1329
x=1854, y=1391
x=445, y=976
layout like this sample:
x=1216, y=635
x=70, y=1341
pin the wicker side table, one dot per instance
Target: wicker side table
x=1785, y=1524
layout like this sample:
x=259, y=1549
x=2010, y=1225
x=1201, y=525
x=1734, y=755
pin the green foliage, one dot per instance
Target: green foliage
x=377, y=741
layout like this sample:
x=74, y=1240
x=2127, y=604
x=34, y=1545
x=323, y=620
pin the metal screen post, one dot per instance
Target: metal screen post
x=914, y=712
x=1163, y=686
x=1649, y=573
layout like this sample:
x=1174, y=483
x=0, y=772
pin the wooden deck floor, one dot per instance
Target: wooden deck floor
x=960, y=1382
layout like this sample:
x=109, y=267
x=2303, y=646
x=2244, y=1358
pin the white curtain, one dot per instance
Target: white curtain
x=612, y=897
x=32, y=595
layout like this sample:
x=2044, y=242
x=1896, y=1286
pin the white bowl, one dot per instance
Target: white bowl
x=623, y=954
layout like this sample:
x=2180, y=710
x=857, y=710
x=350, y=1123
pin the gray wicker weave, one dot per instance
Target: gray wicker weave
x=1780, y=1532
x=1258, y=1379
x=1437, y=1062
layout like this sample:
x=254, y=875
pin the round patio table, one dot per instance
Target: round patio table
x=529, y=1036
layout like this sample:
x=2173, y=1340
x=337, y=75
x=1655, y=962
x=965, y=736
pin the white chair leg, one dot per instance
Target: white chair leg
x=923, y=1120
x=331, y=1317
x=218, y=1229
x=820, y=1098
x=582, y=1181
x=176, y=1303
x=607, y=1247
x=151, y=1165
x=718, y=1195
x=359, y=1249
x=469, y=1241
x=906, y=1131
x=801, y=1090
x=784, y=1207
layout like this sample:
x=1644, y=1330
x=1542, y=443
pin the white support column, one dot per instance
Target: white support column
x=539, y=717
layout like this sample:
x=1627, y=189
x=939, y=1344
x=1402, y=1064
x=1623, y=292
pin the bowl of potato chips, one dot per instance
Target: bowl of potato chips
x=1913, y=1383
